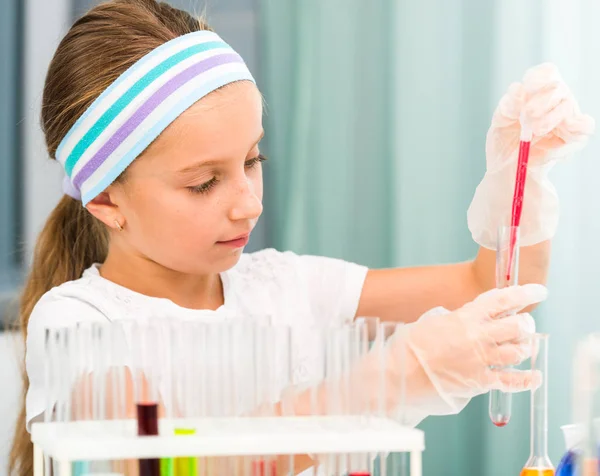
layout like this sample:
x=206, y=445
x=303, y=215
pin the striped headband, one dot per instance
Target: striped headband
x=124, y=120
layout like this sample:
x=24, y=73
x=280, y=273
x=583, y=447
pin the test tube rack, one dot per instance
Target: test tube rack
x=67, y=442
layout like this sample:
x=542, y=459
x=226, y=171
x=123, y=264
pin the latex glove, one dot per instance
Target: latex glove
x=546, y=105
x=435, y=365
x=456, y=350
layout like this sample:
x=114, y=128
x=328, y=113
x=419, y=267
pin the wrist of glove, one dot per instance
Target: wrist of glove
x=492, y=205
x=545, y=104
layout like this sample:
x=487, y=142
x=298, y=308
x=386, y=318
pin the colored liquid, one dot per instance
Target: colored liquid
x=537, y=472
x=185, y=466
x=167, y=467
x=501, y=423
x=566, y=466
x=360, y=473
x=80, y=468
x=147, y=419
x=258, y=468
x=517, y=205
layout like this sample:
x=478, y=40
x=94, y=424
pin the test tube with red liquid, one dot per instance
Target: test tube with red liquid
x=261, y=468
x=507, y=258
x=145, y=346
x=519, y=192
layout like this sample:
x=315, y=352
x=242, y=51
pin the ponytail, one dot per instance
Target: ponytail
x=70, y=242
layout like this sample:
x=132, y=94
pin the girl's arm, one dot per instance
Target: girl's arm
x=404, y=294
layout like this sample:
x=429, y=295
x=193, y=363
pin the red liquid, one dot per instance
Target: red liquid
x=360, y=473
x=517, y=205
x=537, y=472
x=501, y=420
x=258, y=468
x=147, y=418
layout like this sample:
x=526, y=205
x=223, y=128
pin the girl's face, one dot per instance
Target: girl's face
x=191, y=200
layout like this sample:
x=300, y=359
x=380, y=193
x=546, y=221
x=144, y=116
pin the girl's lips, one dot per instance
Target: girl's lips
x=239, y=242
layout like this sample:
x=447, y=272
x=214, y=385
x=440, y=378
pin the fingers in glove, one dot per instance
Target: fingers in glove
x=511, y=328
x=541, y=77
x=540, y=102
x=551, y=119
x=576, y=128
x=497, y=303
x=510, y=106
x=509, y=354
x=513, y=381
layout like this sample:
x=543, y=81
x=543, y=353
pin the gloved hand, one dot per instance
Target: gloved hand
x=544, y=103
x=457, y=349
x=435, y=365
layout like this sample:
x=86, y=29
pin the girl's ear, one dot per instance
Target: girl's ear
x=105, y=210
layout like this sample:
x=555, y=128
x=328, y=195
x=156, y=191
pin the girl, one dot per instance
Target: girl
x=157, y=123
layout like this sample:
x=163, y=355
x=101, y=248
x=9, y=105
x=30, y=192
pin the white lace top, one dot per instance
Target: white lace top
x=289, y=288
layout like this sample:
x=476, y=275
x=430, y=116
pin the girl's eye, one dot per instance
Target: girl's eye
x=250, y=164
x=208, y=186
x=204, y=187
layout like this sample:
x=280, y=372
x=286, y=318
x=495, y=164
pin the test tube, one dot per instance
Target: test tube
x=200, y=355
x=66, y=338
x=53, y=383
x=237, y=360
x=281, y=379
x=377, y=349
x=310, y=377
x=507, y=274
x=116, y=378
x=118, y=351
x=337, y=364
x=394, y=399
x=364, y=397
x=539, y=463
x=394, y=392
x=83, y=385
x=269, y=342
x=214, y=369
x=145, y=345
x=167, y=330
x=99, y=358
x=185, y=394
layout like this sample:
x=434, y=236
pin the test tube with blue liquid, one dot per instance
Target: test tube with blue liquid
x=507, y=274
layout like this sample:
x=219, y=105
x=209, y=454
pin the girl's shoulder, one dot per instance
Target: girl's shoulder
x=89, y=298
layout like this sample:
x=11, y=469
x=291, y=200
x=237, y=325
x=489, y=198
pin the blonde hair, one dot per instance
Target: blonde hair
x=98, y=48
